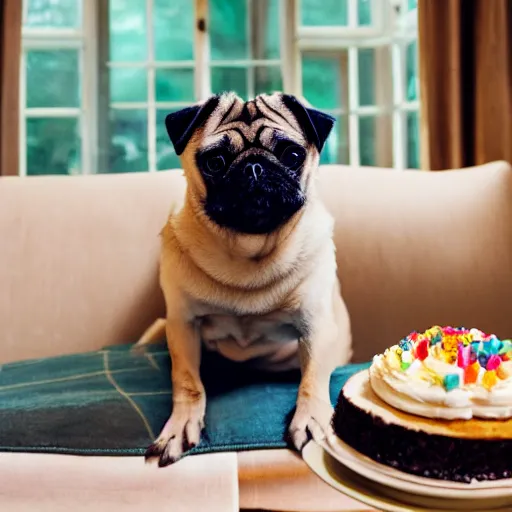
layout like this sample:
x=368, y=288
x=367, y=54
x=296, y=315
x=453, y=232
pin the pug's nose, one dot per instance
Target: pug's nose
x=253, y=169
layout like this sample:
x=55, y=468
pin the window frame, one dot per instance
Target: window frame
x=396, y=30
x=295, y=41
x=84, y=40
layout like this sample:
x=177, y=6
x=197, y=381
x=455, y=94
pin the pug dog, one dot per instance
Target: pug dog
x=248, y=261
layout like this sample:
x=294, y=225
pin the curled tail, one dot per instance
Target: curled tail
x=153, y=334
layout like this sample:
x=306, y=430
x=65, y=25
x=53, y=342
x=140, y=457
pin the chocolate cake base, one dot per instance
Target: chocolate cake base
x=387, y=439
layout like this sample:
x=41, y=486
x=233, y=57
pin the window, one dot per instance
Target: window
x=364, y=72
x=55, y=84
x=99, y=76
x=154, y=50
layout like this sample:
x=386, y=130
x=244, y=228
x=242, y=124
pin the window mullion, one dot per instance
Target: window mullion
x=353, y=90
x=404, y=7
x=50, y=36
x=202, y=50
x=399, y=132
x=353, y=104
x=22, y=116
x=352, y=14
x=250, y=71
x=291, y=56
x=378, y=13
x=89, y=81
x=151, y=112
x=103, y=105
x=53, y=112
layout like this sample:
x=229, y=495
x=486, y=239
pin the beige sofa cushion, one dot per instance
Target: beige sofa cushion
x=79, y=260
x=79, y=255
x=417, y=249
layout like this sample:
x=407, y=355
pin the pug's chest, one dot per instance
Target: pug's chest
x=267, y=341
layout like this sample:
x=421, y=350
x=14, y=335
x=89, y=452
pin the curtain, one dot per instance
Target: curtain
x=10, y=48
x=465, y=71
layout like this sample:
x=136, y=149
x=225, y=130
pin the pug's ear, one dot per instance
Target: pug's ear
x=316, y=125
x=182, y=124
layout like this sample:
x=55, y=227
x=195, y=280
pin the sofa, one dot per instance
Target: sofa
x=78, y=272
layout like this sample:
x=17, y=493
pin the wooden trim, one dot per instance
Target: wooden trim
x=10, y=53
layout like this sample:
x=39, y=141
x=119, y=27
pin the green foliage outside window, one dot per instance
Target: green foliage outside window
x=54, y=80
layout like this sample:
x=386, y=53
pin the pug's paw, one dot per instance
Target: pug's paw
x=312, y=418
x=181, y=433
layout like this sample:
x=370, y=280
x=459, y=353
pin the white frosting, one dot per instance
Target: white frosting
x=415, y=392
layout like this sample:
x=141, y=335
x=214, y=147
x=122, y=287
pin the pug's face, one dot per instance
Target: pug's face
x=249, y=162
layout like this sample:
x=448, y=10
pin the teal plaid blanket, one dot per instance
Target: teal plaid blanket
x=114, y=402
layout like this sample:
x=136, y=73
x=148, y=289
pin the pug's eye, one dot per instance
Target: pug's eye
x=215, y=163
x=292, y=157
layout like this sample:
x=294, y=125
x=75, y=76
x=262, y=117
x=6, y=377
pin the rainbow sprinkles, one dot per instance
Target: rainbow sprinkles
x=477, y=358
x=447, y=372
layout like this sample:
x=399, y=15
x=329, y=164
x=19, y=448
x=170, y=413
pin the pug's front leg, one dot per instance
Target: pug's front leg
x=324, y=347
x=183, y=429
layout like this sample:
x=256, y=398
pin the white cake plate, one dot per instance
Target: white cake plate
x=391, y=477
x=390, y=495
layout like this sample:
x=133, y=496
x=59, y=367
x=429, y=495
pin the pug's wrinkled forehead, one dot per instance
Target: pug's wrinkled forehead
x=261, y=122
x=227, y=119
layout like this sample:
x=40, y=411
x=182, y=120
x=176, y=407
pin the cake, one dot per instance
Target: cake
x=438, y=404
